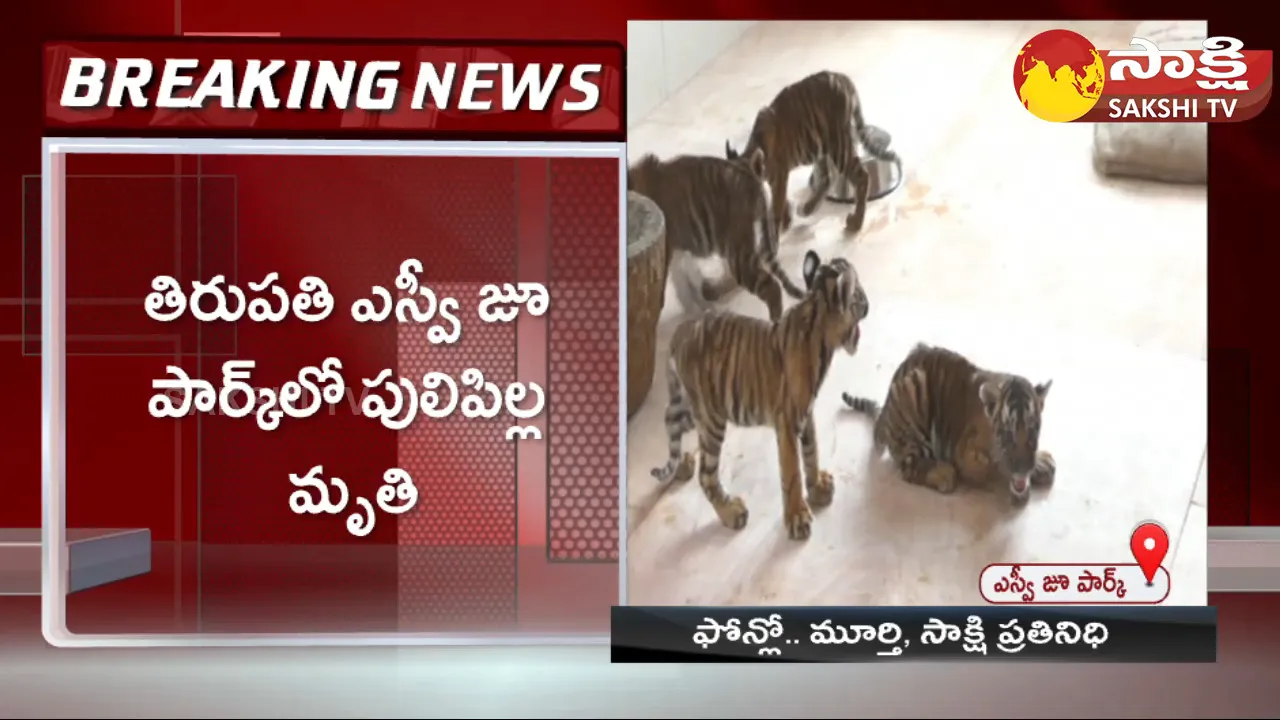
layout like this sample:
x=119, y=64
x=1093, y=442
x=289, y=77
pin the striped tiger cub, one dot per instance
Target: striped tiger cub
x=716, y=208
x=947, y=420
x=726, y=368
x=813, y=121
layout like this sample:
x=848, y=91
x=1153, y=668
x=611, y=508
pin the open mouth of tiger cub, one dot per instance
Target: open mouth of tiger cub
x=1021, y=483
x=851, y=344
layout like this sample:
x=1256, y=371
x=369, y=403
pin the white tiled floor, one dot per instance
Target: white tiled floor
x=1002, y=244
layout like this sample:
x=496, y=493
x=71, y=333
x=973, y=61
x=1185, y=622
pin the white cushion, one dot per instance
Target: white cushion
x=1173, y=35
x=1168, y=152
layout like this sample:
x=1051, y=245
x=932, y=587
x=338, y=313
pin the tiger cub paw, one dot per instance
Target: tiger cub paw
x=685, y=470
x=822, y=489
x=733, y=513
x=942, y=478
x=679, y=472
x=799, y=523
x=810, y=206
x=854, y=221
x=1046, y=470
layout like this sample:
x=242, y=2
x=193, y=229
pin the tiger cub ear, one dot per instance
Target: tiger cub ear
x=989, y=393
x=811, y=264
x=756, y=163
x=1042, y=390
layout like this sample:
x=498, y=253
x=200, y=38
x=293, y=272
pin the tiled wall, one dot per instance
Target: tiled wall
x=663, y=55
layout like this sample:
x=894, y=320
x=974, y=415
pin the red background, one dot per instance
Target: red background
x=1244, y=369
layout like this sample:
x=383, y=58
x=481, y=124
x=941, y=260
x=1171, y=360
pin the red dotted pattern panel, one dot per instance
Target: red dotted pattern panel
x=457, y=589
x=582, y=492
x=465, y=470
x=457, y=564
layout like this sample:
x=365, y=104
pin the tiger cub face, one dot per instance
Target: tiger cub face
x=1014, y=407
x=842, y=299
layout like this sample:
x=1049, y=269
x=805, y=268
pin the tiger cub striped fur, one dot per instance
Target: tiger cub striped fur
x=947, y=421
x=813, y=121
x=726, y=368
x=714, y=207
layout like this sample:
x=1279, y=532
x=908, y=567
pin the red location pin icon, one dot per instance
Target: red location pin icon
x=1150, y=545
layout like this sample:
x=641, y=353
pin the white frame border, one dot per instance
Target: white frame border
x=53, y=370
x=1249, y=549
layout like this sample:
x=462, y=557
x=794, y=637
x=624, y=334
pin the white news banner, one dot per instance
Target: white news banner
x=1093, y=584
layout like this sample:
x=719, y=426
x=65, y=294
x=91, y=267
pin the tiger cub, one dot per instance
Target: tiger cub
x=727, y=368
x=714, y=207
x=946, y=420
x=809, y=122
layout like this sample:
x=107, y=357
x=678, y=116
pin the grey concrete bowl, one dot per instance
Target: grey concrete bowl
x=885, y=176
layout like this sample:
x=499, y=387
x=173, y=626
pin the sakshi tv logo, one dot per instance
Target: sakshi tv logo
x=1060, y=76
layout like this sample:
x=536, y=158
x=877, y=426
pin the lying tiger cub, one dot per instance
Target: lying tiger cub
x=947, y=420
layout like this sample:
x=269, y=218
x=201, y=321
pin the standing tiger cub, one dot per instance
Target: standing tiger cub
x=714, y=207
x=814, y=121
x=946, y=420
x=726, y=368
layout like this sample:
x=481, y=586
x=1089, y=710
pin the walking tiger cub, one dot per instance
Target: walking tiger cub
x=946, y=421
x=813, y=121
x=714, y=207
x=726, y=368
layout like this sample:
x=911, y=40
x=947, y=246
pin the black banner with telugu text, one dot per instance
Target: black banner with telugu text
x=888, y=634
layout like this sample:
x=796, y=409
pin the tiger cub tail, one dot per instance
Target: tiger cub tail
x=767, y=230
x=679, y=420
x=771, y=266
x=877, y=149
x=868, y=407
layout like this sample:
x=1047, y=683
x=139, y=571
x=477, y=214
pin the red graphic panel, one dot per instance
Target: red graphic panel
x=58, y=58
x=583, y=426
x=180, y=225
x=602, y=118
x=228, y=554
x=1232, y=498
x=527, y=89
x=458, y=546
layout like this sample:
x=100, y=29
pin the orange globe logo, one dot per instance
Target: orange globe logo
x=1058, y=76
